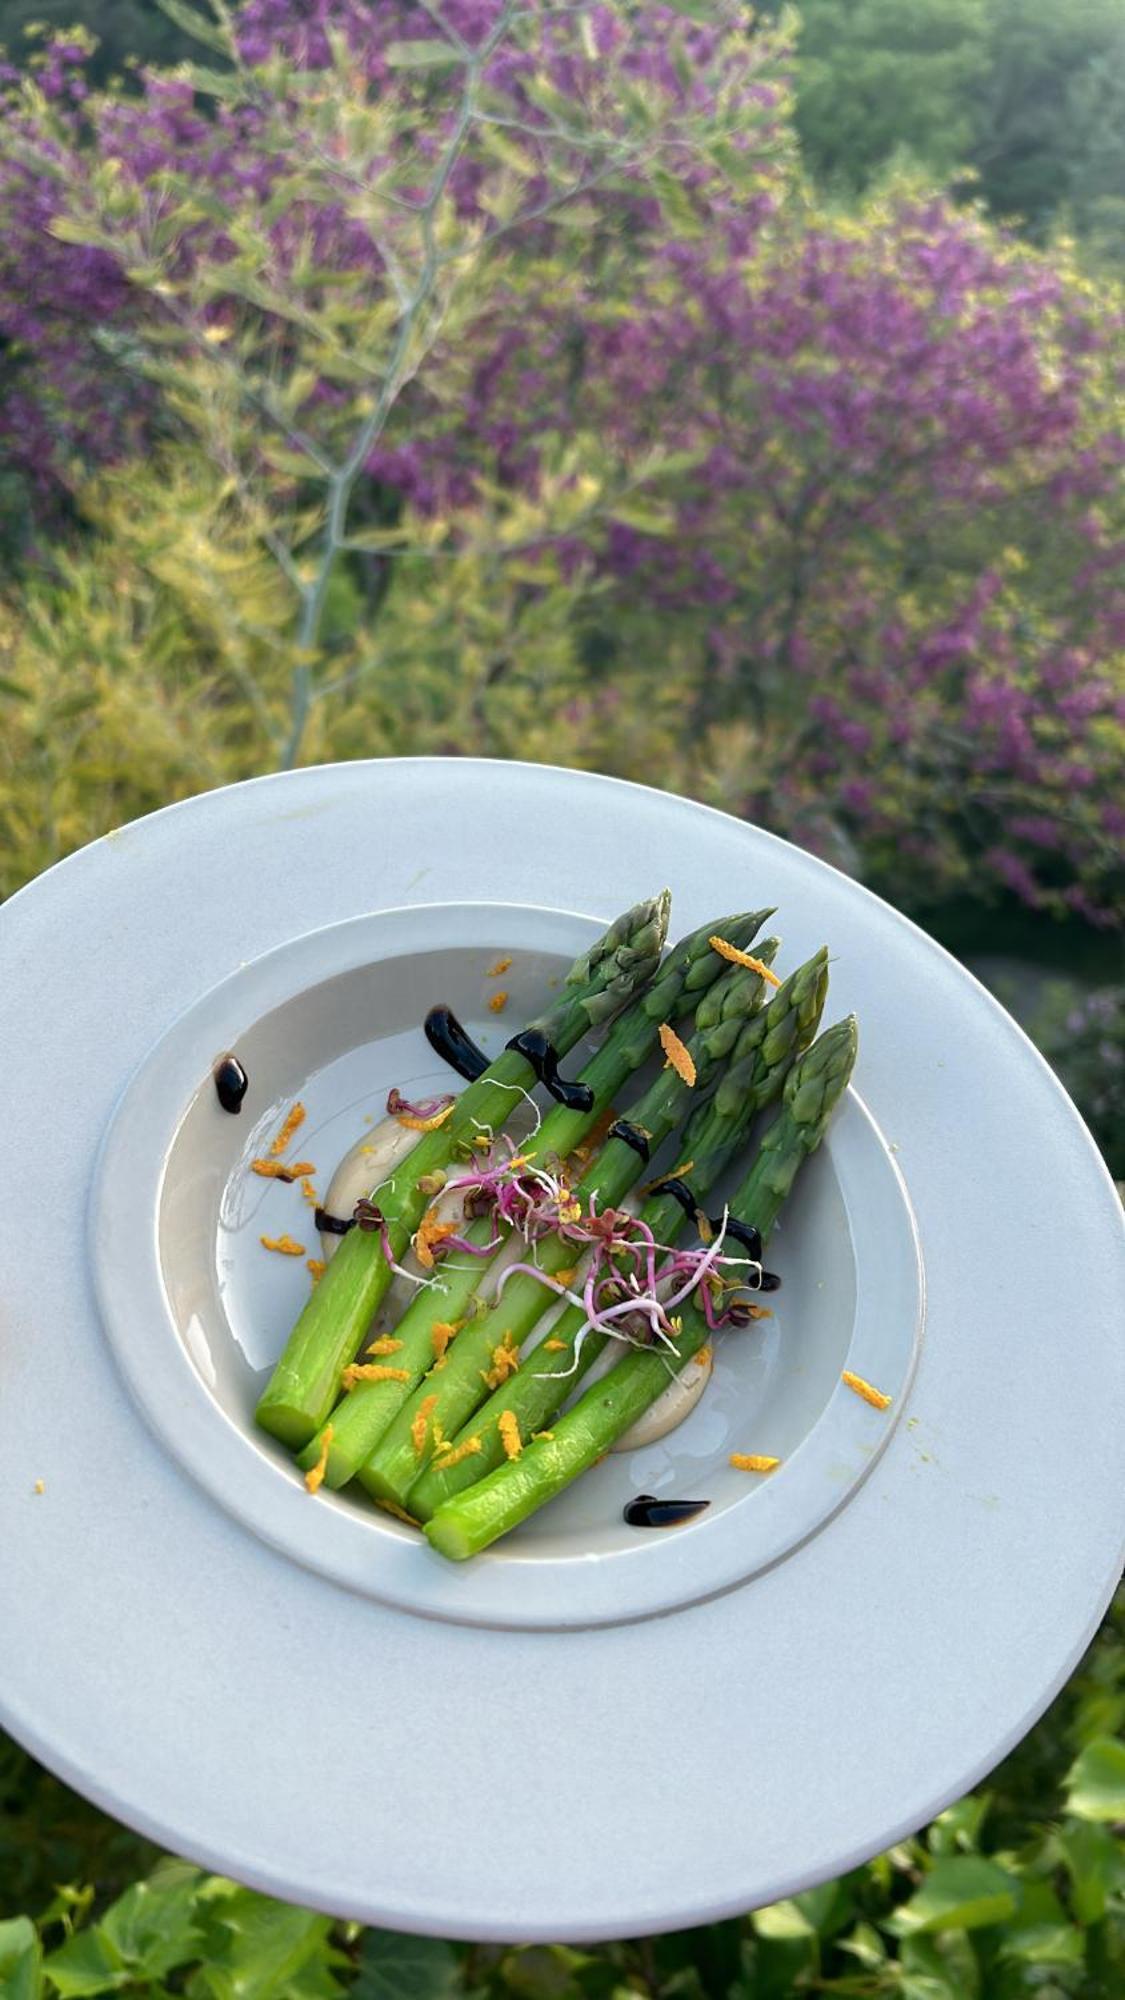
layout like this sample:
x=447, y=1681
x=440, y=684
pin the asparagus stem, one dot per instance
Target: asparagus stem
x=690, y=969
x=461, y=1527
x=451, y=1395
x=753, y=1077
x=306, y=1380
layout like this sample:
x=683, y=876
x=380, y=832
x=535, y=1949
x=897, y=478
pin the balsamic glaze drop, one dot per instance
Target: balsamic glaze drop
x=648, y=1512
x=231, y=1083
x=742, y=1232
x=535, y=1049
x=332, y=1225
x=454, y=1044
x=679, y=1191
x=632, y=1136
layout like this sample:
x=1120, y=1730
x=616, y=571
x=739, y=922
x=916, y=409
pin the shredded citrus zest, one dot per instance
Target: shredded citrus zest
x=568, y=1276
x=870, y=1395
x=542, y=1437
x=752, y=1461
x=273, y=1170
x=40, y=1486
x=452, y=1454
x=386, y=1344
x=283, y=1244
x=429, y=1232
x=294, y=1117
x=760, y=1312
x=737, y=957
x=314, y=1477
x=310, y=1193
x=420, y=1423
x=441, y=1333
x=372, y=1371
x=677, y=1056
x=400, y=1513
x=317, y=1266
x=553, y=1346
x=500, y=966
x=703, y=1358
x=505, y=1361
x=509, y=1429
x=498, y=1002
x=412, y=1124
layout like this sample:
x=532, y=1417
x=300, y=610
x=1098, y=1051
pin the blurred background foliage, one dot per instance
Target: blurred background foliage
x=731, y=402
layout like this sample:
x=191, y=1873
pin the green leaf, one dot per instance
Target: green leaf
x=647, y=520
x=1095, y=1862
x=264, y=1950
x=21, y=1960
x=86, y=1963
x=948, y=1960
x=394, y=1966
x=421, y=55
x=783, y=1920
x=1096, y=1781
x=958, y=1828
x=152, y=1926
x=201, y=27
x=14, y=689
x=960, y=1893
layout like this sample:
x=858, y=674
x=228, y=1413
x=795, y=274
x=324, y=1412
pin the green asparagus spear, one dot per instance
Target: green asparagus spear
x=306, y=1380
x=476, y=1518
x=362, y=1416
x=750, y=1081
x=443, y=1400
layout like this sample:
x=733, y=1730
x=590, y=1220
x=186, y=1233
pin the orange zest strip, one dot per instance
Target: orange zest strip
x=420, y=1424
x=505, y=1361
x=542, y=1437
x=553, y=1346
x=310, y=1193
x=386, y=1344
x=429, y=1232
x=676, y=1056
x=870, y=1395
x=453, y=1454
x=317, y=1266
x=752, y=1461
x=400, y=1513
x=314, y=1477
x=294, y=1117
x=412, y=1124
x=373, y=1371
x=498, y=1002
x=500, y=966
x=441, y=1333
x=284, y=1245
x=509, y=1429
x=737, y=957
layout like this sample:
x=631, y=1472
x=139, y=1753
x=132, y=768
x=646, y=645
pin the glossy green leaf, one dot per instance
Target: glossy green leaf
x=86, y=1963
x=1096, y=1781
x=1095, y=1863
x=960, y=1893
x=396, y=1966
x=20, y=1960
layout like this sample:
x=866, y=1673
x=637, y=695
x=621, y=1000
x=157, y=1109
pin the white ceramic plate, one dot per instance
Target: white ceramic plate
x=825, y=1672
x=197, y=1310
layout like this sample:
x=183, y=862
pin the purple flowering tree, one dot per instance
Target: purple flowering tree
x=831, y=503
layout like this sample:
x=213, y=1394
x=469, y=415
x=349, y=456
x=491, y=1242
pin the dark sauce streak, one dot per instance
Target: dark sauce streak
x=679, y=1191
x=454, y=1044
x=333, y=1225
x=632, y=1136
x=231, y=1083
x=535, y=1049
x=647, y=1512
x=742, y=1232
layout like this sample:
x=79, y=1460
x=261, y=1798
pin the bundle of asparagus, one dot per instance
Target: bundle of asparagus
x=451, y=1432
